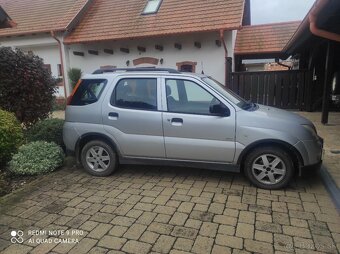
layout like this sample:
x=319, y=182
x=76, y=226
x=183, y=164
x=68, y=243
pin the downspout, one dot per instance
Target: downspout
x=62, y=62
x=313, y=15
x=224, y=43
x=225, y=55
x=281, y=64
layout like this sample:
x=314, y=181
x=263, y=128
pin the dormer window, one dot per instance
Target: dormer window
x=5, y=20
x=152, y=6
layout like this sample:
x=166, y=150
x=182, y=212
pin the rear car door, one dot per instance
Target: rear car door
x=131, y=116
x=191, y=132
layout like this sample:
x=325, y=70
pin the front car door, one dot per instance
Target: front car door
x=131, y=116
x=191, y=132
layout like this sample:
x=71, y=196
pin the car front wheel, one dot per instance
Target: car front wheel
x=269, y=167
x=98, y=158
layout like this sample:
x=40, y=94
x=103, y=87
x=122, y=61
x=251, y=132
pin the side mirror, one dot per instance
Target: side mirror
x=220, y=110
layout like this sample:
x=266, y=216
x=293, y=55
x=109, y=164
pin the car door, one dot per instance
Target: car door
x=131, y=117
x=191, y=131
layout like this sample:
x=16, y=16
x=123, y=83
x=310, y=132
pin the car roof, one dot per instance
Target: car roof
x=109, y=75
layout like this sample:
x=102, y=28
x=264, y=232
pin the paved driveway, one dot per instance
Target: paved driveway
x=162, y=210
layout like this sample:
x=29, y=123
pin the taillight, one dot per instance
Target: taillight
x=69, y=99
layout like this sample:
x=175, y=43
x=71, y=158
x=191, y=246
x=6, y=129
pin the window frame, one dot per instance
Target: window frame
x=165, y=103
x=113, y=94
x=189, y=63
x=60, y=70
x=101, y=80
x=152, y=12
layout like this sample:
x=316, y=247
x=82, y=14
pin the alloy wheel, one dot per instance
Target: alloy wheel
x=269, y=169
x=97, y=158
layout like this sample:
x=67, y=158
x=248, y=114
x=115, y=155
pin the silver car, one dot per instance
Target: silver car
x=164, y=117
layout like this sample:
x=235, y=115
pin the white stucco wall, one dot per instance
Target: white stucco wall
x=209, y=58
x=44, y=46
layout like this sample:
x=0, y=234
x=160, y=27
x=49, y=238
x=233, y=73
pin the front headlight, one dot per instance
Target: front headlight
x=311, y=129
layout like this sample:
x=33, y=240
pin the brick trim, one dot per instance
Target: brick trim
x=193, y=64
x=145, y=60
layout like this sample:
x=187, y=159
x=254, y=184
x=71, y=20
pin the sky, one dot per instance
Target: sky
x=271, y=11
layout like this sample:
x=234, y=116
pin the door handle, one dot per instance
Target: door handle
x=177, y=121
x=113, y=116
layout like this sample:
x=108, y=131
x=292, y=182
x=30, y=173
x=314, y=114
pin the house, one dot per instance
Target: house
x=37, y=26
x=259, y=47
x=193, y=35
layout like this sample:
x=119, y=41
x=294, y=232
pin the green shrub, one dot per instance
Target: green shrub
x=49, y=130
x=5, y=185
x=59, y=104
x=74, y=74
x=26, y=87
x=11, y=136
x=37, y=158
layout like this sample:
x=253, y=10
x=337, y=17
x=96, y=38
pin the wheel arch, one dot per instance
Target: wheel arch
x=84, y=139
x=291, y=150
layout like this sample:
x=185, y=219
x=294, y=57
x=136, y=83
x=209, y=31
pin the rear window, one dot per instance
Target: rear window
x=88, y=92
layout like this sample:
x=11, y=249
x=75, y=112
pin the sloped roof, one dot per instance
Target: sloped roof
x=35, y=16
x=122, y=19
x=268, y=38
x=327, y=19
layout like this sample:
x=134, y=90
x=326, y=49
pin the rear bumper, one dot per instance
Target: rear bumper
x=310, y=169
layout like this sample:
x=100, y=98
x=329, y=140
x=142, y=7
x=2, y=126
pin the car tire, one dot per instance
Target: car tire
x=269, y=167
x=98, y=158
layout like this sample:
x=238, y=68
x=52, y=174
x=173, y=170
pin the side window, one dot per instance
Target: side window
x=184, y=96
x=88, y=92
x=172, y=91
x=136, y=93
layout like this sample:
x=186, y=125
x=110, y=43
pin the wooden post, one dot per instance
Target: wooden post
x=327, y=84
x=228, y=71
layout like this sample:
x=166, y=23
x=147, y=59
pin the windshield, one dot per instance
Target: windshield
x=231, y=96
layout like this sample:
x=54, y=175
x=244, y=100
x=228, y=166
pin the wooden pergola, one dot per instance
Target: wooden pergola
x=317, y=44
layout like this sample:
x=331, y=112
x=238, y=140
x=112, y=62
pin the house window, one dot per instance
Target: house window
x=5, y=20
x=152, y=6
x=186, y=66
x=60, y=71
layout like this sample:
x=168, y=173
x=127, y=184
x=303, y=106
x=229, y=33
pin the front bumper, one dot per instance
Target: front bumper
x=312, y=154
x=310, y=169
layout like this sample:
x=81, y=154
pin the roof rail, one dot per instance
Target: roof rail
x=149, y=69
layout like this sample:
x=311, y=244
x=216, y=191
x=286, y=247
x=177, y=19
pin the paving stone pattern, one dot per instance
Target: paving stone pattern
x=171, y=210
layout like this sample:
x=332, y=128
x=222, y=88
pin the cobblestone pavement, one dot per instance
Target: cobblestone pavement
x=169, y=210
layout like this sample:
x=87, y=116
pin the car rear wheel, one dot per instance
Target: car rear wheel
x=98, y=158
x=269, y=168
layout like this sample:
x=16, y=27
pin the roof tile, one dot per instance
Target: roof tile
x=35, y=16
x=269, y=38
x=122, y=19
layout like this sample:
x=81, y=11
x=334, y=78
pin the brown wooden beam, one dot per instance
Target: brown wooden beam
x=108, y=51
x=159, y=47
x=93, y=52
x=218, y=43
x=141, y=49
x=178, y=46
x=77, y=53
x=125, y=50
x=328, y=80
